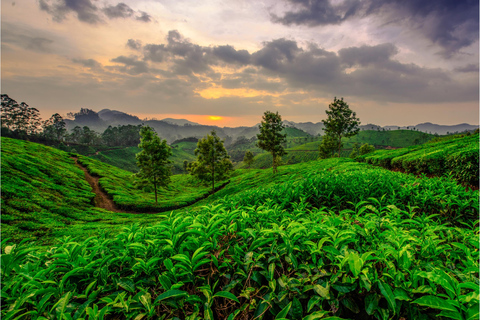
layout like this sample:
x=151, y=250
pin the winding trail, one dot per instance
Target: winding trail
x=102, y=200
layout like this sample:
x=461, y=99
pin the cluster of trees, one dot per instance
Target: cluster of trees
x=21, y=121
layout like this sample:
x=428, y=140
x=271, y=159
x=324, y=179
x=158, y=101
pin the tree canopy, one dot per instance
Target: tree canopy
x=341, y=122
x=213, y=162
x=153, y=160
x=270, y=137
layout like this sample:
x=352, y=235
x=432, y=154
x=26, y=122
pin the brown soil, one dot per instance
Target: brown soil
x=101, y=198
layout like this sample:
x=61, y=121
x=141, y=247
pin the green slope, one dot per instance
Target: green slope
x=125, y=158
x=370, y=242
x=45, y=195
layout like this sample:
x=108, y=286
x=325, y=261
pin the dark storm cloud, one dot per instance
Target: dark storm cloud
x=87, y=12
x=134, y=44
x=121, y=10
x=131, y=65
x=276, y=53
x=452, y=24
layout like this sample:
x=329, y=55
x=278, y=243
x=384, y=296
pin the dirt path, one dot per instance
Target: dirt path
x=101, y=198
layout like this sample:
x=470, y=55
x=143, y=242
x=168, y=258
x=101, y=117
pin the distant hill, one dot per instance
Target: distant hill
x=180, y=122
x=175, y=129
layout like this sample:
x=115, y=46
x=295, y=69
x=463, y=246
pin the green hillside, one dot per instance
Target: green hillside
x=329, y=239
x=45, y=196
x=301, y=151
x=458, y=157
x=125, y=158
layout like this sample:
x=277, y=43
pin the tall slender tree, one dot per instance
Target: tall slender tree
x=153, y=160
x=341, y=122
x=213, y=162
x=271, y=138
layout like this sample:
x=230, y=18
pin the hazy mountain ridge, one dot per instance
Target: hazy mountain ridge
x=174, y=129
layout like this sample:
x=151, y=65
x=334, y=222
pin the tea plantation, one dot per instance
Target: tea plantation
x=330, y=239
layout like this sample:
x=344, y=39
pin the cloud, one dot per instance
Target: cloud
x=121, y=10
x=131, y=65
x=88, y=63
x=366, y=55
x=228, y=54
x=134, y=44
x=84, y=9
x=87, y=12
x=469, y=68
x=145, y=17
x=26, y=38
x=452, y=25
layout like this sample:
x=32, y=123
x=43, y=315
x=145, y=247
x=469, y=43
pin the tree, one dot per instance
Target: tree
x=153, y=160
x=54, y=128
x=20, y=118
x=327, y=147
x=213, y=162
x=248, y=158
x=366, y=148
x=270, y=138
x=341, y=122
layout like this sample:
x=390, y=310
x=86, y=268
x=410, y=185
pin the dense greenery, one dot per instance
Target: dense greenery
x=458, y=157
x=45, y=196
x=333, y=238
x=329, y=239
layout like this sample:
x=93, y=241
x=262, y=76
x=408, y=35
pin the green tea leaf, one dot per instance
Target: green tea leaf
x=170, y=294
x=126, y=284
x=435, y=303
x=226, y=295
x=388, y=294
x=283, y=313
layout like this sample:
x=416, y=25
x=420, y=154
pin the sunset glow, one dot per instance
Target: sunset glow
x=215, y=118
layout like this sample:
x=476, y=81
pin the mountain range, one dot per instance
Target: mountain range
x=175, y=129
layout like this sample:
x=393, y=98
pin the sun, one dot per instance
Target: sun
x=215, y=118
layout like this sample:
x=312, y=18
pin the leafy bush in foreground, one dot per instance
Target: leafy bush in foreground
x=254, y=262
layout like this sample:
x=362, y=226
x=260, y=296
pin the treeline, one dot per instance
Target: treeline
x=21, y=121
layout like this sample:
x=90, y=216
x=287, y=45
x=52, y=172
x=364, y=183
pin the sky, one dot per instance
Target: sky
x=224, y=62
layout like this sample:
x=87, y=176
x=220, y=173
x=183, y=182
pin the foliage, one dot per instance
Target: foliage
x=153, y=160
x=366, y=148
x=54, y=128
x=341, y=122
x=284, y=251
x=127, y=135
x=457, y=157
x=213, y=162
x=45, y=196
x=328, y=146
x=248, y=158
x=21, y=119
x=270, y=137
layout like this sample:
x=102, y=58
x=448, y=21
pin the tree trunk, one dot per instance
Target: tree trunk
x=274, y=163
x=213, y=176
x=155, y=187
